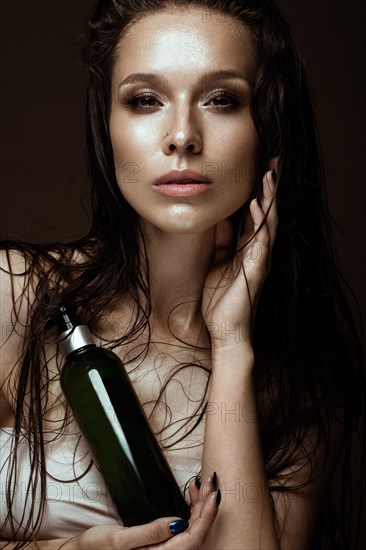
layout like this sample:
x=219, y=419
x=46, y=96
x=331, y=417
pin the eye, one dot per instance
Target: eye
x=225, y=100
x=143, y=102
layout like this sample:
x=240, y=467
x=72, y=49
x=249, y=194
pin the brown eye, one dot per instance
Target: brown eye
x=224, y=100
x=144, y=102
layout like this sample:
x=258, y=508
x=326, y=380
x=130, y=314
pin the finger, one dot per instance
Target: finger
x=153, y=533
x=196, y=511
x=274, y=164
x=269, y=203
x=196, y=534
x=205, y=489
x=255, y=255
x=260, y=230
x=264, y=215
x=194, y=537
x=194, y=490
x=208, y=486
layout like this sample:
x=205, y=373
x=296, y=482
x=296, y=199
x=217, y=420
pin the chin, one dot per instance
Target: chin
x=182, y=227
x=179, y=225
x=180, y=219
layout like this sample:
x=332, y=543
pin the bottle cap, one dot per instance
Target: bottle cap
x=72, y=336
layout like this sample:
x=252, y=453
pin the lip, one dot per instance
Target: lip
x=174, y=183
x=176, y=176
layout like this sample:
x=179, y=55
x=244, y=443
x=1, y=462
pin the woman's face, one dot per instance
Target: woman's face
x=181, y=92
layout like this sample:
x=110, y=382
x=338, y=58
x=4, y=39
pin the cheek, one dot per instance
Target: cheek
x=237, y=142
x=131, y=136
x=239, y=160
x=238, y=171
x=245, y=142
x=126, y=160
x=132, y=144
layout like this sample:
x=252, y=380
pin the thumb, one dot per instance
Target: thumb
x=157, y=531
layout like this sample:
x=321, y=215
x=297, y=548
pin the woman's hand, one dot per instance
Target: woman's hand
x=233, y=285
x=158, y=534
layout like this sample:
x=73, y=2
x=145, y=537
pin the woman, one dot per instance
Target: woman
x=210, y=270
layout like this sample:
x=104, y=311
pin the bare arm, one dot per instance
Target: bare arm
x=232, y=446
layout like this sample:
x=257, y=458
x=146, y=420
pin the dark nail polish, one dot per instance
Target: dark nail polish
x=259, y=202
x=214, y=479
x=197, y=482
x=178, y=526
x=274, y=175
x=218, y=498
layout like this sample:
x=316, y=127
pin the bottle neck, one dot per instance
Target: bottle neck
x=75, y=339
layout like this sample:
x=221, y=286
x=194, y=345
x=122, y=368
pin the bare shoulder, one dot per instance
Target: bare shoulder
x=14, y=284
x=13, y=268
x=20, y=273
x=14, y=287
x=23, y=271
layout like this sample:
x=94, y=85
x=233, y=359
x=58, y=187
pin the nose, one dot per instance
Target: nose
x=185, y=136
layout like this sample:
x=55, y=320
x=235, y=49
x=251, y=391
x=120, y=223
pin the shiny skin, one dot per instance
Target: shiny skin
x=186, y=121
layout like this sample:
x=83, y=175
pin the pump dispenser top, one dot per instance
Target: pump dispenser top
x=73, y=337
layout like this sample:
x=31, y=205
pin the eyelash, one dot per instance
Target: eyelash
x=133, y=99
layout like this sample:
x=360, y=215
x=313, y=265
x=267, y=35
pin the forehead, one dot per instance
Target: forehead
x=180, y=42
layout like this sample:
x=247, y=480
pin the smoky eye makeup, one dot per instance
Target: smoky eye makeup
x=226, y=98
x=141, y=100
x=221, y=99
x=140, y=89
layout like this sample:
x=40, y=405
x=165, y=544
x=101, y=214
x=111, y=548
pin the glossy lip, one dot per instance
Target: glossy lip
x=172, y=184
x=182, y=189
x=176, y=176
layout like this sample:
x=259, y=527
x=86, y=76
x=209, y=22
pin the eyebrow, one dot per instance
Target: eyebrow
x=207, y=78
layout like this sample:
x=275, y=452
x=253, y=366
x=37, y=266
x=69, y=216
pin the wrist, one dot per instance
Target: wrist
x=233, y=355
x=228, y=334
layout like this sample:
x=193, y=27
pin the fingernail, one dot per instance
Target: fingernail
x=214, y=479
x=218, y=497
x=178, y=526
x=259, y=202
x=197, y=482
x=274, y=175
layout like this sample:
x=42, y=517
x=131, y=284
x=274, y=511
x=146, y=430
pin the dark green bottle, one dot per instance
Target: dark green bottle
x=113, y=422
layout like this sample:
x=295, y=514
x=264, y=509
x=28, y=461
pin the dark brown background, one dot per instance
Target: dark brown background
x=42, y=98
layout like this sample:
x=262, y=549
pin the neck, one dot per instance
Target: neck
x=178, y=267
